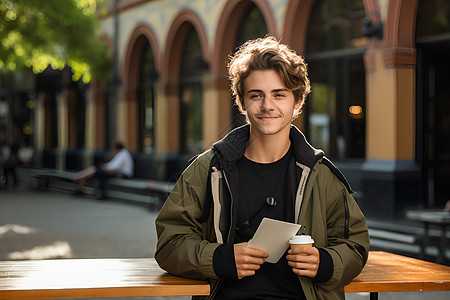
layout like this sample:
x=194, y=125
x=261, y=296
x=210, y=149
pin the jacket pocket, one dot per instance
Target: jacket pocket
x=346, y=215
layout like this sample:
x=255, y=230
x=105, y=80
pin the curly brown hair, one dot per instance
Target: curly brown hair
x=268, y=54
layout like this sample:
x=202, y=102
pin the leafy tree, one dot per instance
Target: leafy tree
x=55, y=33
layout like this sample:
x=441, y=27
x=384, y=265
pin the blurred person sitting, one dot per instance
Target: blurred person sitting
x=5, y=151
x=10, y=163
x=25, y=154
x=447, y=206
x=4, y=155
x=121, y=165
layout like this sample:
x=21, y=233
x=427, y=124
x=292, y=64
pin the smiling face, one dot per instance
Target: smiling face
x=268, y=103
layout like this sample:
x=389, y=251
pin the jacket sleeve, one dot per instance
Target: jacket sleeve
x=183, y=248
x=347, y=238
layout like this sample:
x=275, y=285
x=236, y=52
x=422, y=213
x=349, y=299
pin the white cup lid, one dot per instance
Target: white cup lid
x=301, y=239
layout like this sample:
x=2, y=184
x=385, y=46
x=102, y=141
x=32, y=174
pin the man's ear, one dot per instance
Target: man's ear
x=243, y=107
x=298, y=104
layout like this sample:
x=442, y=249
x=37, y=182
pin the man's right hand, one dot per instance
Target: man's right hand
x=248, y=259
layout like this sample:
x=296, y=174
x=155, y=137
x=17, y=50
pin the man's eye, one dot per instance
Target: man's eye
x=279, y=96
x=255, y=96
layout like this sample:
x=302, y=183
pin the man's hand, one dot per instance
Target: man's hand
x=248, y=259
x=301, y=264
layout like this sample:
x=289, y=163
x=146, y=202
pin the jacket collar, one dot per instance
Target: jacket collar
x=232, y=147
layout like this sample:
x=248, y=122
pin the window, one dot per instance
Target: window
x=433, y=94
x=146, y=101
x=433, y=19
x=334, y=51
x=191, y=107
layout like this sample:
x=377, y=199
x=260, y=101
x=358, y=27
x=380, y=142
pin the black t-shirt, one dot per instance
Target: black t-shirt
x=257, y=183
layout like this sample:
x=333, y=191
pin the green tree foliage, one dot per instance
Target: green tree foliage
x=56, y=33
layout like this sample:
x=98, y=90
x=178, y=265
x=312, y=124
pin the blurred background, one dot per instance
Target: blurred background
x=78, y=75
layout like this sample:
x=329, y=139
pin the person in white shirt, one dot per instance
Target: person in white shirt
x=121, y=165
x=25, y=154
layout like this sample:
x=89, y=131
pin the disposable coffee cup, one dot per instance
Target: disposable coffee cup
x=301, y=240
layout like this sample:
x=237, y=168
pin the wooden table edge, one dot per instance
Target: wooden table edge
x=105, y=292
x=390, y=286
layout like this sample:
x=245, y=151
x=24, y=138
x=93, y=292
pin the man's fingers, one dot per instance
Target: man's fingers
x=245, y=273
x=253, y=251
x=250, y=266
x=304, y=260
x=310, y=259
x=244, y=270
x=302, y=272
x=248, y=259
x=304, y=266
x=304, y=250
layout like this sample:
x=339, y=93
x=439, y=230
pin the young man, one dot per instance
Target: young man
x=263, y=169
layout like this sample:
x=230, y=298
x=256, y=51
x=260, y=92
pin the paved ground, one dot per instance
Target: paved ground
x=45, y=225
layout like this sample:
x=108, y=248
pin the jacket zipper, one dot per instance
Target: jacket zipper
x=219, y=282
x=231, y=205
x=346, y=221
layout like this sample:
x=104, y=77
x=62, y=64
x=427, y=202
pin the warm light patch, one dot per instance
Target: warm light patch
x=15, y=228
x=56, y=250
x=356, y=111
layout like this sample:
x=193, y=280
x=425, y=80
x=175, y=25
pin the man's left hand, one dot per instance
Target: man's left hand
x=304, y=260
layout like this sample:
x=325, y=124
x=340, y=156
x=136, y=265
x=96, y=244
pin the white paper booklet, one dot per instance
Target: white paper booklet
x=273, y=236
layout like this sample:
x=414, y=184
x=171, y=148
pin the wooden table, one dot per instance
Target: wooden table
x=91, y=278
x=430, y=216
x=387, y=272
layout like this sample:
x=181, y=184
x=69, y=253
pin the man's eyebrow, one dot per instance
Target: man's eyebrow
x=272, y=91
x=254, y=91
x=280, y=90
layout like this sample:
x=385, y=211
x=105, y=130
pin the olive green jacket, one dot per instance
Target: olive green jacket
x=199, y=214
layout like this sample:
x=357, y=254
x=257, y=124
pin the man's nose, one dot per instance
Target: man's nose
x=267, y=104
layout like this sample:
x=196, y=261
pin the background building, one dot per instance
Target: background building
x=379, y=107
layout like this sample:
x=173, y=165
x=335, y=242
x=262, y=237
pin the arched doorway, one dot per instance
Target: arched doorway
x=146, y=100
x=141, y=74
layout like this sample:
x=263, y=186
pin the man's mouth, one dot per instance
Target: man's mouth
x=267, y=118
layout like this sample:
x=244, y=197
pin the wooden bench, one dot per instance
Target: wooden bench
x=428, y=217
x=154, y=174
x=142, y=277
x=399, y=238
x=149, y=191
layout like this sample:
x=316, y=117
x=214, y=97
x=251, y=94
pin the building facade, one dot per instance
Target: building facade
x=379, y=107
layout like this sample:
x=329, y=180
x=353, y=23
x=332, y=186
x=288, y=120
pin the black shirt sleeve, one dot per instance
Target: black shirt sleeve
x=326, y=267
x=224, y=263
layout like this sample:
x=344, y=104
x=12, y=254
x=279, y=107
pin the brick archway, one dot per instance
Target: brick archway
x=170, y=73
x=173, y=52
x=227, y=28
x=141, y=35
x=295, y=27
x=399, y=32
